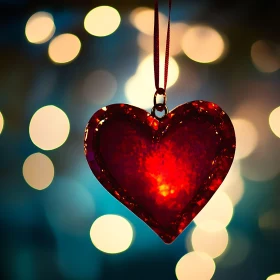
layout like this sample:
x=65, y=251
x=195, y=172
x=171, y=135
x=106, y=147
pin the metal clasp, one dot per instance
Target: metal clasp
x=160, y=106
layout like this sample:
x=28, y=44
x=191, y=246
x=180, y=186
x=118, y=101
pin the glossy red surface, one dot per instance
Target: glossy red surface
x=165, y=170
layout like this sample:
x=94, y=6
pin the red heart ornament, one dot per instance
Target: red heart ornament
x=163, y=170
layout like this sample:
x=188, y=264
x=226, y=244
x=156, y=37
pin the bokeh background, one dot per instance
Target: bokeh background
x=63, y=60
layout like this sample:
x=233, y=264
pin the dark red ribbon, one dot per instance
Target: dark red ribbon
x=156, y=47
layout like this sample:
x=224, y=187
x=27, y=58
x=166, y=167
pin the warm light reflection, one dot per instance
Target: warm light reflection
x=274, y=277
x=102, y=21
x=195, y=266
x=274, y=121
x=203, y=44
x=217, y=213
x=38, y=171
x=139, y=89
x=233, y=184
x=143, y=20
x=265, y=57
x=99, y=87
x=111, y=234
x=177, y=30
x=212, y=243
x=64, y=48
x=165, y=190
x=39, y=28
x=1, y=122
x=246, y=137
x=49, y=127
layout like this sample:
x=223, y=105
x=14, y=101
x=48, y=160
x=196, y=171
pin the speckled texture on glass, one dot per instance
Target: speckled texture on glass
x=163, y=170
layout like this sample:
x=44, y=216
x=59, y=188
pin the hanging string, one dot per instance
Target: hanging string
x=156, y=47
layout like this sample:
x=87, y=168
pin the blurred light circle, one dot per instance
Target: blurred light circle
x=212, y=243
x=146, y=70
x=260, y=168
x=233, y=184
x=99, y=87
x=203, y=44
x=39, y=28
x=246, y=137
x=263, y=163
x=269, y=221
x=234, y=191
x=102, y=21
x=145, y=41
x=38, y=171
x=195, y=266
x=49, y=127
x=1, y=122
x=143, y=19
x=188, y=240
x=217, y=213
x=237, y=251
x=274, y=121
x=140, y=88
x=69, y=207
x=139, y=93
x=265, y=57
x=64, y=48
x=111, y=234
x=178, y=29
x=274, y=277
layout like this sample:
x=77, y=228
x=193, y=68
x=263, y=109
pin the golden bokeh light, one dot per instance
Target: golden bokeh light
x=139, y=93
x=188, y=240
x=212, y=243
x=233, y=185
x=264, y=57
x=1, y=122
x=143, y=19
x=49, y=127
x=102, y=21
x=234, y=191
x=217, y=213
x=274, y=121
x=146, y=70
x=111, y=234
x=195, y=266
x=246, y=138
x=64, y=48
x=263, y=163
x=140, y=88
x=237, y=251
x=99, y=87
x=38, y=171
x=203, y=44
x=145, y=41
x=39, y=28
x=274, y=277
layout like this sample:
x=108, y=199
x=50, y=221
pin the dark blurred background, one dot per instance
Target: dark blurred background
x=63, y=60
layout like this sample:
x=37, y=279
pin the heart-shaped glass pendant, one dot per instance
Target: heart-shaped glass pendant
x=163, y=170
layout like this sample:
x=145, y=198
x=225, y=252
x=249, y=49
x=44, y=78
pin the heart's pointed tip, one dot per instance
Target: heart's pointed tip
x=168, y=240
